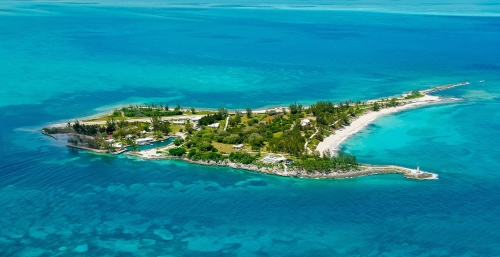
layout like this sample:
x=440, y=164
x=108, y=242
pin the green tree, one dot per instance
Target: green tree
x=122, y=123
x=222, y=112
x=188, y=127
x=293, y=108
x=256, y=141
x=193, y=111
x=394, y=102
x=110, y=125
x=249, y=113
x=236, y=119
x=178, y=151
x=77, y=126
x=73, y=141
x=178, y=141
x=109, y=147
x=155, y=122
x=376, y=106
x=134, y=145
x=158, y=135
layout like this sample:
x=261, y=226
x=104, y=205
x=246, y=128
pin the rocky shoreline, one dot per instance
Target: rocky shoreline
x=287, y=171
x=290, y=171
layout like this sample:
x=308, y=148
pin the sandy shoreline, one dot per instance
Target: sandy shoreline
x=332, y=142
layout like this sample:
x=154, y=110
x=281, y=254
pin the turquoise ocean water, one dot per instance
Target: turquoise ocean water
x=62, y=60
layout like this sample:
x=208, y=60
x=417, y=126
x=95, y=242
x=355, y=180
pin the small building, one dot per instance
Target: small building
x=118, y=145
x=178, y=122
x=129, y=136
x=143, y=141
x=305, y=122
x=215, y=125
x=143, y=132
x=288, y=161
x=267, y=120
x=110, y=140
x=238, y=147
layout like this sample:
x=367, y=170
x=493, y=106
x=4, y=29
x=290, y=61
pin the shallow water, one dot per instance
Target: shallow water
x=62, y=61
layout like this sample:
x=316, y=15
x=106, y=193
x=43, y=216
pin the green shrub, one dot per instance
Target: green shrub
x=179, y=151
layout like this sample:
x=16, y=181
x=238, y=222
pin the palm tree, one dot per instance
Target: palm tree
x=134, y=145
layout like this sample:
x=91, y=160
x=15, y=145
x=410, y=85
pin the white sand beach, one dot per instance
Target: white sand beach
x=332, y=142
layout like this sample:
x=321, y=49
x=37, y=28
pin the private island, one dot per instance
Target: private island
x=294, y=141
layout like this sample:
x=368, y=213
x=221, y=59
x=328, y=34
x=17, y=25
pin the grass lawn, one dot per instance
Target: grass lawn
x=175, y=128
x=227, y=148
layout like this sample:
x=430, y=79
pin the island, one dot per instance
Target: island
x=294, y=141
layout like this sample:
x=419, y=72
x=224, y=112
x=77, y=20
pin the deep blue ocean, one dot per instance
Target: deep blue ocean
x=64, y=60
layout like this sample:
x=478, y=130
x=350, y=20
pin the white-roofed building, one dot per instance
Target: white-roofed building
x=143, y=141
x=238, y=147
x=305, y=122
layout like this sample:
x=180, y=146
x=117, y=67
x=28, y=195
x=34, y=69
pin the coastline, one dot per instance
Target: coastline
x=364, y=170
x=332, y=142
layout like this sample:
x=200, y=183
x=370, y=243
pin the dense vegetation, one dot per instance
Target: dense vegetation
x=210, y=119
x=178, y=151
x=335, y=115
x=241, y=157
x=213, y=118
x=92, y=130
x=58, y=130
x=150, y=111
x=414, y=94
x=327, y=163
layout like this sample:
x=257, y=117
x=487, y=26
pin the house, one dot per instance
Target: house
x=267, y=120
x=238, y=147
x=288, y=161
x=143, y=132
x=215, y=125
x=305, y=122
